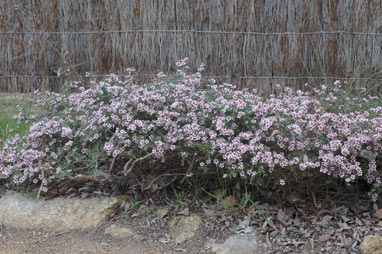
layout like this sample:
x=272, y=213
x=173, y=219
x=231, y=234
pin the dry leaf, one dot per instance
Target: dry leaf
x=283, y=218
x=343, y=226
x=324, y=237
x=325, y=221
x=184, y=212
x=142, y=210
x=218, y=193
x=161, y=213
x=245, y=222
x=294, y=199
x=308, y=234
x=358, y=221
x=378, y=214
x=312, y=219
x=250, y=210
x=267, y=207
x=229, y=201
x=164, y=240
x=209, y=212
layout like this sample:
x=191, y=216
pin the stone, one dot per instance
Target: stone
x=59, y=214
x=235, y=244
x=119, y=232
x=184, y=228
x=371, y=245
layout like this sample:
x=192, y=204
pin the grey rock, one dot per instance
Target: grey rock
x=236, y=244
x=20, y=211
x=371, y=245
x=183, y=228
x=119, y=232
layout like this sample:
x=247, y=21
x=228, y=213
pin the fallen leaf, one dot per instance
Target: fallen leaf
x=324, y=222
x=250, y=210
x=312, y=219
x=267, y=207
x=247, y=230
x=324, y=237
x=378, y=214
x=269, y=221
x=209, y=212
x=184, y=212
x=245, y=222
x=283, y=232
x=294, y=199
x=164, y=240
x=283, y=218
x=358, y=221
x=343, y=226
x=308, y=234
x=142, y=210
x=218, y=193
x=229, y=201
x=161, y=213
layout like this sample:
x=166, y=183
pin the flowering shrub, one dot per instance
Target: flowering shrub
x=236, y=133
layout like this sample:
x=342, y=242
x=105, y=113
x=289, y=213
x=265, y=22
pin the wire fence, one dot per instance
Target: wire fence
x=205, y=32
x=189, y=31
x=205, y=76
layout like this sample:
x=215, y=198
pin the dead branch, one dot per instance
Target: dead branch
x=189, y=168
x=173, y=174
x=112, y=165
x=127, y=171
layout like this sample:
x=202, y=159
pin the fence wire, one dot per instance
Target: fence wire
x=218, y=77
x=188, y=31
x=338, y=32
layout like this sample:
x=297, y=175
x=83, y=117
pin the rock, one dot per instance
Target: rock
x=236, y=244
x=371, y=245
x=184, y=228
x=20, y=211
x=119, y=232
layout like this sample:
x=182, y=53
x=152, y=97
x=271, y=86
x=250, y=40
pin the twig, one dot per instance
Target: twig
x=189, y=168
x=75, y=181
x=128, y=171
x=162, y=175
x=173, y=174
x=314, y=200
x=112, y=165
x=42, y=183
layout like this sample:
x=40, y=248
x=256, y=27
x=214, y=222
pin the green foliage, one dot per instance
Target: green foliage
x=9, y=125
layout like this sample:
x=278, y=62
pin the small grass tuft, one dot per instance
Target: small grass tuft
x=9, y=126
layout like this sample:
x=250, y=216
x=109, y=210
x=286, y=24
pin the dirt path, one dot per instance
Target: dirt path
x=17, y=241
x=28, y=241
x=13, y=241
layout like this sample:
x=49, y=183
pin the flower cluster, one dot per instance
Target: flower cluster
x=235, y=132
